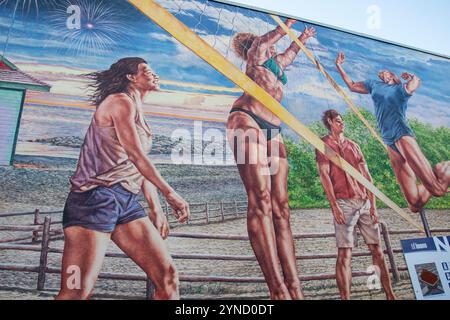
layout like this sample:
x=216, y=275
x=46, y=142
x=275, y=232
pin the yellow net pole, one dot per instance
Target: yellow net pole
x=329, y=77
x=200, y=47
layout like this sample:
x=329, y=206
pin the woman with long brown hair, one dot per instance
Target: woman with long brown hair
x=113, y=168
x=254, y=135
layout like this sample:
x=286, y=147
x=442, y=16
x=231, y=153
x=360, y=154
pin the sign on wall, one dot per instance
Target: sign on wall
x=428, y=261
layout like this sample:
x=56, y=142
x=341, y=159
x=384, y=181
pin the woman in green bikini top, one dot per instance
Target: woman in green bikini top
x=266, y=67
x=266, y=185
x=273, y=66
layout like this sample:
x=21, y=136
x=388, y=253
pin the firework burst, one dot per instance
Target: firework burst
x=102, y=27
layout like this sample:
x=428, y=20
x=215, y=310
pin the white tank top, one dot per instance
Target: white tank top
x=104, y=162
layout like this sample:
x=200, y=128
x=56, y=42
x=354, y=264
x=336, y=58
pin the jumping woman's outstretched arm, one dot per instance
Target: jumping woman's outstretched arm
x=264, y=42
x=413, y=82
x=287, y=57
x=357, y=87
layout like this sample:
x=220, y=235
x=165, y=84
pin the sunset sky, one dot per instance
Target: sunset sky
x=40, y=44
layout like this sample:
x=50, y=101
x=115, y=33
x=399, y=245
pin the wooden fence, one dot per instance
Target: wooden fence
x=207, y=212
x=201, y=213
x=43, y=230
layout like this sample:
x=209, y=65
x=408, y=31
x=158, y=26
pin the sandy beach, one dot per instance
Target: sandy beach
x=42, y=182
x=303, y=221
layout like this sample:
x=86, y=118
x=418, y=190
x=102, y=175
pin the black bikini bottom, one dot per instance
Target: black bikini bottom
x=269, y=129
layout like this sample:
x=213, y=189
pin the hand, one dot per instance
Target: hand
x=374, y=214
x=179, y=205
x=407, y=76
x=160, y=222
x=289, y=22
x=340, y=59
x=307, y=33
x=338, y=214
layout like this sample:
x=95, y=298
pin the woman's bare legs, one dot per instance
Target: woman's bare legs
x=281, y=215
x=435, y=182
x=250, y=151
x=409, y=165
x=84, y=251
x=416, y=195
x=140, y=240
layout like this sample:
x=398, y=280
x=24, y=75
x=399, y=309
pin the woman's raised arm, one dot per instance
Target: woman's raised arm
x=357, y=87
x=264, y=42
x=413, y=83
x=287, y=57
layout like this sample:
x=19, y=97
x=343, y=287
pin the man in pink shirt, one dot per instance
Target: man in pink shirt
x=351, y=205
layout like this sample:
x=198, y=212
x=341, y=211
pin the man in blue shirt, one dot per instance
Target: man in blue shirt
x=390, y=97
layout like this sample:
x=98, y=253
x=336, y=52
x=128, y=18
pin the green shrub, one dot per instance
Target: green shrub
x=305, y=189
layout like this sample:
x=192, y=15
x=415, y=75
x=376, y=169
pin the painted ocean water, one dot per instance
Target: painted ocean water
x=57, y=131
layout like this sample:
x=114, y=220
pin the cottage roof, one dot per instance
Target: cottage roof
x=12, y=77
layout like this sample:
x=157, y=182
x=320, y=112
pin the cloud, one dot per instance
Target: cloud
x=429, y=110
x=162, y=37
x=226, y=18
x=35, y=27
x=217, y=23
x=55, y=69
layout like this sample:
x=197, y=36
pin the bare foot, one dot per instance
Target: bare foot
x=391, y=297
x=281, y=294
x=414, y=209
x=296, y=293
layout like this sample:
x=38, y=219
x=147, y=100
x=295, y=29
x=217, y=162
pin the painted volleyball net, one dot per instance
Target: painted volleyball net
x=218, y=24
x=206, y=29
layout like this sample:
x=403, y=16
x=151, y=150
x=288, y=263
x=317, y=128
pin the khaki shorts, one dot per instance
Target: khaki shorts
x=356, y=212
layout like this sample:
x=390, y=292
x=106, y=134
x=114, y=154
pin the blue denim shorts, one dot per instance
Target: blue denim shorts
x=102, y=208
